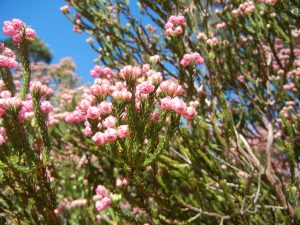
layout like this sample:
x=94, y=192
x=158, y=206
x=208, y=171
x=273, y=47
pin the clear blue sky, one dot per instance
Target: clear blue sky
x=54, y=29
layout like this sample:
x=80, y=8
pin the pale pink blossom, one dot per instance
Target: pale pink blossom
x=110, y=122
x=111, y=134
x=93, y=112
x=99, y=138
x=46, y=107
x=123, y=131
x=103, y=203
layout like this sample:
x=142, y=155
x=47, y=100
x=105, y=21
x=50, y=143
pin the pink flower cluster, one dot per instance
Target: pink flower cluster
x=38, y=87
x=174, y=25
x=134, y=84
x=7, y=57
x=18, y=29
x=102, y=198
x=110, y=135
x=191, y=58
x=244, y=9
x=179, y=106
x=99, y=70
x=25, y=108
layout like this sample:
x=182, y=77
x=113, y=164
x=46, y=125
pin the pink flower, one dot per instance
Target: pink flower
x=107, y=71
x=289, y=86
x=99, y=138
x=88, y=131
x=166, y=103
x=5, y=94
x=93, y=112
x=145, y=68
x=103, y=203
x=101, y=190
x=110, y=122
x=123, y=95
x=169, y=32
x=9, y=53
x=111, y=134
x=38, y=87
x=46, y=107
x=17, y=38
x=145, y=87
x=180, y=20
x=123, y=131
x=126, y=72
x=8, y=28
x=130, y=72
x=185, y=62
x=84, y=105
x=154, y=116
x=2, y=131
x=189, y=112
x=15, y=102
x=189, y=58
x=17, y=24
x=172, y=19
x=156, y=78
x=197, y=58
x=75, y=117
x=179, y=105
x=169, y=25
x=30, y=34
x=178, y=30
x=105, y=107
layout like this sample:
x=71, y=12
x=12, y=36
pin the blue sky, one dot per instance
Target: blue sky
x=54, y=28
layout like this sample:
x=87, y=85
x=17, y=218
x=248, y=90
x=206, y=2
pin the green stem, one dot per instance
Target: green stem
x=26, y=69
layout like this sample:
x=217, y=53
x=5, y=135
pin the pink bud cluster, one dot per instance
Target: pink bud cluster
x=174, y=25
x=121, y=181
x=6, y=102
x=102, y=198
x=210, y=40
x=191, y=58
x=179, y=106
x=18, y=29
x=244, y=9
x=97, y=71
x=7, y=57
x=38, y=87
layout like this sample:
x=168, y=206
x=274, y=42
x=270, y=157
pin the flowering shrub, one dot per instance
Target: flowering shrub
x=193, y=119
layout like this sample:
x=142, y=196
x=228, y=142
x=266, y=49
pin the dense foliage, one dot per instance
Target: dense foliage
x=193, y=117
